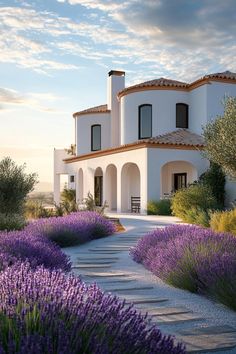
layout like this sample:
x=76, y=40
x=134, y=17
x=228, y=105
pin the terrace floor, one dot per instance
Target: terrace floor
x=203, y=325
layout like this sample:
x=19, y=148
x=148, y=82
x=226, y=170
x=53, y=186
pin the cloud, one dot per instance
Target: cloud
x=10, y=98
x=181, y=39
x=19, y=43
x=105, y=5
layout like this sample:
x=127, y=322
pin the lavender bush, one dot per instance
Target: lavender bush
x=34, y=247
x=44, y=311
x=73, y=229
x=193, y=258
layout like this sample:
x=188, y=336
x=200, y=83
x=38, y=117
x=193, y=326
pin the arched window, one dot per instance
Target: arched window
x=145, y=121
x=181, y=115
x=96, y=137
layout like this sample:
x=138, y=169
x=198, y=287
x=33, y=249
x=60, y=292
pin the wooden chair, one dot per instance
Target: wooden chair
x=135, y=204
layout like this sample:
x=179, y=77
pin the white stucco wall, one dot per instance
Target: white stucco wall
x=157, y=158
x=216, y=92
x=115, y=83
x=83, y=131
x=198, y=109
x=163, y=111
x=60, y=168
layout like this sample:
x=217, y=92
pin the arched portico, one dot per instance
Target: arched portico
x=111, y=187
x=98, y=186
x=130, y=185
x=176, y=175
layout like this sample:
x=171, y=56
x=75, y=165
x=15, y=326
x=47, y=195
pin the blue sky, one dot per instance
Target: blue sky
x=55, y=55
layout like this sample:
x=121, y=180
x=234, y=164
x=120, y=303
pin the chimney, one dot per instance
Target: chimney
x=115, y=83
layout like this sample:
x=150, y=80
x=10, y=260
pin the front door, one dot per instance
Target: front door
x=98, y=190
x=180, y=180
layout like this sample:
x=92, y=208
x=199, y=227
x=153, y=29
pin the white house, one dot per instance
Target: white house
x=145, y=142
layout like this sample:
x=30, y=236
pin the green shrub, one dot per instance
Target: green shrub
x=34, y=209
x=90, y=205
x=198, y=216
x=224, y=221
x=15, y=184
x=161, y=207
x=209, y=178
x=11, y=222
x=193, y=203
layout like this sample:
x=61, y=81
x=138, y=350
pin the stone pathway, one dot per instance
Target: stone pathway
x=203, y=325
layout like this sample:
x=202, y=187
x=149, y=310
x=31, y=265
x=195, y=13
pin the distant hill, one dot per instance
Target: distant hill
x=43, y=187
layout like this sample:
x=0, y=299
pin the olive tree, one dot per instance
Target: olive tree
x=220, y=138
x=15, y=184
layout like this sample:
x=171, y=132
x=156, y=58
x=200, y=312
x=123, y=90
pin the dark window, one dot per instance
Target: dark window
x=96, y=137
x=72, y=179
x=98, y=192
x=180, y=180
x=145, y=121
x=181, y=115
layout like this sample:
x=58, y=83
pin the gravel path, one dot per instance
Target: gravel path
x=202, y=324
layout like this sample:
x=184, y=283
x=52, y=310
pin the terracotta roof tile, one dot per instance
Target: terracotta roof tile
x=157, y=83
x=177, y=137
x=224, y=75
x=98, y=109
x=181, y=138
x=167, y=83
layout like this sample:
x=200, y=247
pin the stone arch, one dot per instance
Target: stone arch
x=98, y=186
x=130, y=185
x=111, y=187
x=176, y=172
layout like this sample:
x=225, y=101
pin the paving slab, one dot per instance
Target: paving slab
x=145, y=300
x=203, y=343
x=129, y=288
x=176, y=318
x=95, y=261
x=106, y=275
x=97, y=258
x=161, y=311
x=112, y=281
x=90, y=266
x=208, y=330
x=112, y=248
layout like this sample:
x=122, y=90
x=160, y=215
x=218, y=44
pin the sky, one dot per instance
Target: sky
x=55, y=56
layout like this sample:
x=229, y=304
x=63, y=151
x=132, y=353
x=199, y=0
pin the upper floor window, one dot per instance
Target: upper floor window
x=96, y=137
x=72, y=179
x=181, y=115
x=145, y=121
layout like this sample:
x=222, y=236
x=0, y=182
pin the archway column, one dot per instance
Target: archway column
x=143, y=190
x=104, y=189
x=119, y=189
x=56, y=187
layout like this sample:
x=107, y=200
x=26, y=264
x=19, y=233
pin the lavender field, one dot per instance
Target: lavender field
x=192, y=258
x=45, y=310
x=73, y=229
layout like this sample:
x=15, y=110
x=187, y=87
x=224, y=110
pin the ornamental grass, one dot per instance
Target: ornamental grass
x=44, y=311
x=73, y=229
x=192, y=258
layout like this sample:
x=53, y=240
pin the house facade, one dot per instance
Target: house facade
x=145, y=142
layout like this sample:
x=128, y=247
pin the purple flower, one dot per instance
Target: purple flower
x=47, y=311
x=72, y=229
x=32, y=246
x=193, y=258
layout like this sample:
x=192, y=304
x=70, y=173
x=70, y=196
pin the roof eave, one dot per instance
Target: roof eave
x=129, y=147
